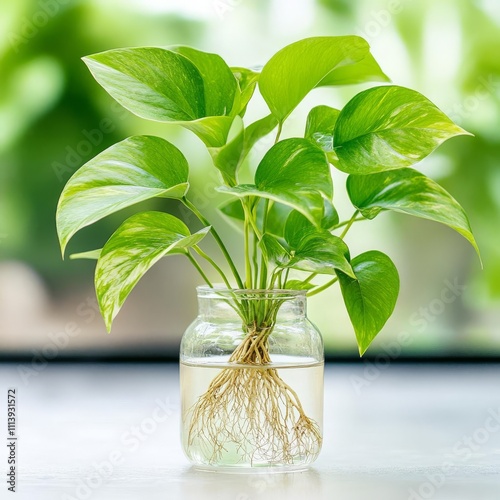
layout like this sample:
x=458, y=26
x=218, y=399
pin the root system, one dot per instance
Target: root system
x=250, y=409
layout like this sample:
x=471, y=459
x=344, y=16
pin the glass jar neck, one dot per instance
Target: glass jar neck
x=260, y=307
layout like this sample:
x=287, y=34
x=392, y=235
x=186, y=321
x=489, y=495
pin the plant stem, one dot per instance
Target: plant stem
x=319, y=289
x=309, y=278
x=280, y=281
x=201, y=253
x=217, y=238
x=198, y=268
x=248, y=265
x=285, y=279
x=255, y=243
x=251, y=220
x=278, y=133
x=349, y=224
x=263, y=263
x=344, y=223
x=274, y=276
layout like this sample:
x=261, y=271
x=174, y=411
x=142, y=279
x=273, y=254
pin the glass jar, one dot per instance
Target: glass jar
x=251, y=372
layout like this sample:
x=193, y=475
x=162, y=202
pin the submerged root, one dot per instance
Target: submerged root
x=251, y=412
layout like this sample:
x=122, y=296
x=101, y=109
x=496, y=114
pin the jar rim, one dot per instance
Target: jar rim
x=221, y=290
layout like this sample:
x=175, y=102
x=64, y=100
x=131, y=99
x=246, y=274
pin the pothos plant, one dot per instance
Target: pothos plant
x=292, y=232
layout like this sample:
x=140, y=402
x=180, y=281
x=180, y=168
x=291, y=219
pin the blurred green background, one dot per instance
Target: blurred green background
x=54, y=117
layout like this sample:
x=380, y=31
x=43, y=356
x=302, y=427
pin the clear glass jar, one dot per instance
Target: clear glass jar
x=251, y=372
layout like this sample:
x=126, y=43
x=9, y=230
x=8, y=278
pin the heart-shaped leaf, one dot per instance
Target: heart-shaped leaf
x=385, y=128
x=180, y=84
x=136, y=169
x=293, y=172
x=371, y=297
x=132, y=250
x=320, y=252
x=408, y=191
x=315, y=62
x=153, y=83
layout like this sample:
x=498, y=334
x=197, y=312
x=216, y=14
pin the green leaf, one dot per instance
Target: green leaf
x=132, y=250
x=276, y=218
x=294, y=163
x=136, y=169
x=320, y=252
x=314, y=62
x=221, y=96
x=227, y=158
x=410, y=192
x=330, y=215
x=219, y=84
x=212, y=130
x=153, y=83
x=257, y=130
x=272, y=249
x=91, y=255
x=233, y=209
x=371, y=297
x=293, y=172
x=319, y=126
x=298, y=285
x=181, y=84
x=297, y=225
x=366, y=70
x=385, y=128
x=247, y=81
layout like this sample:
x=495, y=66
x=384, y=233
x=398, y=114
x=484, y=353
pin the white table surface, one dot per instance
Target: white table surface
x=411, y=432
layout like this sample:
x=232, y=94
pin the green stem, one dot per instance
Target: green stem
x=344, y=223
x=274, y=276
x=248, y=266
x=278, y=133
x=285, y=279
x=309, y=278
x=250, y=219
x=255, y=244
x=280, y=281
x=319, y=289
x=201, y=253
x=263, y=263
x=199, y=269
x=351, y=221
x=217, y=238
